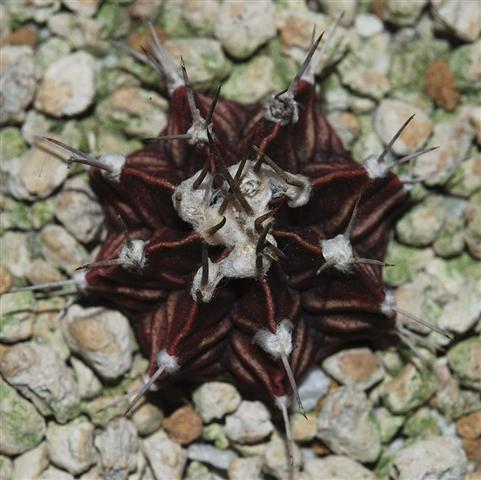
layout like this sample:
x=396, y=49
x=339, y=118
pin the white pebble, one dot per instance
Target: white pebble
x=249, y=424
x=313, y=387
x=209, y=454
x=215, y=399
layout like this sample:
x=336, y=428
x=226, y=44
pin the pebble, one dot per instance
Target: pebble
x=24, y=35
x=276, y=461
x=314, y=386
x=87, y=8
x=214, y=432
x=61, y=249
x=68, y=86
x=441, y=457
x=461, y=314
x=402, y=13
x=243, y=468
x=17, y=82
x=346, y=125
x=367, y=25
x=41, y=375
x=388, y=423
x=6, y=465
x=337, y=467
x=475, y=118
x=183, y=426
x=167, y=458
x=422, y=224
x=303, y=429
x=17, y=254
x=465, y=361
x=5, y=280
x=242, y=27
x=454, y=139
x=31, y=464
x=16, y=320
x=345, y=425
x=23, y=428
x=36, y=124
x=364, y=70
x=102, y=338
x=117, y=445
x=251, y=82
x=213, y=456
x=422, y=424
x=472, y=232
x=198, y=471
x=36, y=175
x=462, y=18
x=134, y=111
x=78, y=209
x=89, y=385
x=204, y=59
x=467, y=178
x=348, y=8
x=469, y=426
x=201, y=15
x=79, y=31
x=408, y=390
x=391, y=114
x=249, y=424
x=440, y=85
x=47, y=53
x=450, y=241
x=215, y=399
x=357, y=367
x=70, y=446
x=53, y=473
x=147, y=419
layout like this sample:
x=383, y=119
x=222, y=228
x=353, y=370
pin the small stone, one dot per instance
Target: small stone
x=22, y=426
x=89, y=385
x=422, y=424
x=467, y=178
x=167, y=459
x=475, y=117
x=70, y=446
x=16, y=320
x=346, y=8
x=147, y=419
x=251, y=82
x=6, y=465
x=201, y=15
x=364, y=70
x=242, y=27
x=41, y=375
x=345, y=425
x=245, y=468
x=183, y=426
x=472, y=233
x=469, y=426
x=215, y=433
x=440, y=86
x=24, y=35
x=100, y=337
x=337, y=467
x=53, y=473
x=216, y=399
x=208, y=454
x=31, y=464
x=421, y=225
x=5, y=280
x=314, y=386
x=39, y=11
x=368, y=25
x=198, y=471
x=408, y=390
x=276, y=461
x=462, y=18
x=249, y=424
x=117, y=446
x=17, y=83
x=450, y=241
x=77, y=208
x=134, y=111
x=304, y=429
x=463, y=312
x=391, y=114
x=79, y=31
x=12, y=143
x=454, y=139
x=346, y=125
x=465, y=360
x=388, y=423
x=68, y=86
x=47, y=53
x=16, y=254
x=402, y=13
x=61, y=249
x=441, y=457
x=87, y=8
x=36, y=124
x=357, y=367
x=204, y=59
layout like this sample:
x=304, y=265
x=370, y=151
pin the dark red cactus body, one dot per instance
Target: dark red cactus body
x=214, y=338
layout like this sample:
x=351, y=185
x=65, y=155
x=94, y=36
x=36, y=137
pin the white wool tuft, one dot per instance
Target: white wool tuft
x=276, y=344
x=375, y=169
x=132, y=255
x=115, y=162
x=167, y=361
x=80, y=279
x=338, y=252
x=282, y=402
x=389, y=303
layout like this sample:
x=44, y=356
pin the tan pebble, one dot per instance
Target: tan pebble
x=183, y=426
x=469, y=426
x=439, y=85
x=473, y=449
x=25, y=35
x=5, y=280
